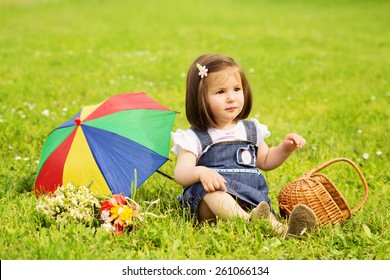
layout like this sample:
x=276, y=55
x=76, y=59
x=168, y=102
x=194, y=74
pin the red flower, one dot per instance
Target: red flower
x=106, y=205
x=119, y=229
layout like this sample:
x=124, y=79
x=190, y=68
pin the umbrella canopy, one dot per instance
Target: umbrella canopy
x=104, y=143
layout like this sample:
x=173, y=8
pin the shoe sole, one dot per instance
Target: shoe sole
x=302, y=220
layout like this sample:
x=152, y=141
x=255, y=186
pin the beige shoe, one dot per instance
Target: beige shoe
x=262, y=211
x=302, y=220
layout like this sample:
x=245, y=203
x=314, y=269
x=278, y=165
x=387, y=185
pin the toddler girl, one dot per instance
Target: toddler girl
x=219, y=156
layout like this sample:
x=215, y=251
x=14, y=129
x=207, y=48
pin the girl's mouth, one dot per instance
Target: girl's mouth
x=231, y=108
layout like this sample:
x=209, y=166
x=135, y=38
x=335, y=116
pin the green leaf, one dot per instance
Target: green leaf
x=133, y=187
x=367, y=231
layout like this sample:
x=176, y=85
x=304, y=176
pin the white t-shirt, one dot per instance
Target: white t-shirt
x=188, y=140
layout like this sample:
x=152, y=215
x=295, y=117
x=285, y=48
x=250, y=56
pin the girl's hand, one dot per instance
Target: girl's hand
x=293, y=141
x=188, y=173
x=212, y=180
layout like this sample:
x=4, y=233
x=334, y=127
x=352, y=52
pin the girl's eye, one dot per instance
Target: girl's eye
x=220, y=92
x=237, y=89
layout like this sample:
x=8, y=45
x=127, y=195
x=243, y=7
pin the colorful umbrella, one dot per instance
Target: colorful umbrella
x=104, y=143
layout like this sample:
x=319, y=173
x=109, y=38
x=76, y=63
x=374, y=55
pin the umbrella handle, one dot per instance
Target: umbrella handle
x=165, y=175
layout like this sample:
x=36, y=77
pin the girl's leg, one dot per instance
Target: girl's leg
x=205, y=214
x=263, y=211
x=219, y=204
x=278, y=226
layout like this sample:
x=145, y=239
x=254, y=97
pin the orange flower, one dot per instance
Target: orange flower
x=118, y=199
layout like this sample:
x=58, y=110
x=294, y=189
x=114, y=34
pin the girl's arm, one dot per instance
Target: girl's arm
x=187, y=173
x=270, y=158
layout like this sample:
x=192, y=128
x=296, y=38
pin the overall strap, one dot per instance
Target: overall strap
x=251, y=131
x=203, y=136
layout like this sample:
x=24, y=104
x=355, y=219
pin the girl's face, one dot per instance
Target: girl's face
x=225, y=96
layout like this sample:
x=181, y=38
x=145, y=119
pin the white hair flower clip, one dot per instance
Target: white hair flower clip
x=202, y=70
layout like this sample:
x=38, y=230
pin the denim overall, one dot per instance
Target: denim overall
x=236, y=162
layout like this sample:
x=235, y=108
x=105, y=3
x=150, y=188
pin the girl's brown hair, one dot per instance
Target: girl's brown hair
x=198, y=111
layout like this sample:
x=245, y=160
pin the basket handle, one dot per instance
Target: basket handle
x=365, y=186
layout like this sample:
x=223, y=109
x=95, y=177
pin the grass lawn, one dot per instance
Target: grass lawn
x=318, y=68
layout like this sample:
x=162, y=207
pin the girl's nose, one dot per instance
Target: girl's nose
x=230, y=96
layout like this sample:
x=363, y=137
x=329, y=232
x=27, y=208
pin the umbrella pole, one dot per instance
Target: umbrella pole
x=165, y=175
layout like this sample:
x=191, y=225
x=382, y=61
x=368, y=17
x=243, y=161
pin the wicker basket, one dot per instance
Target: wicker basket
x=321, y=195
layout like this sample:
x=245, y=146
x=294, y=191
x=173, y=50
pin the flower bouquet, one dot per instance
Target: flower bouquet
x=116, y=214
x=69, y=203
x=120, y=214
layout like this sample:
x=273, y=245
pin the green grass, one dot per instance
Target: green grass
x=319, y=68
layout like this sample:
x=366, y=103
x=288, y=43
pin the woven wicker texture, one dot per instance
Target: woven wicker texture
x=319, y=193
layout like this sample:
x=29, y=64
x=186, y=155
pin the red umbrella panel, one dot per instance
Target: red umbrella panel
x=104, y=143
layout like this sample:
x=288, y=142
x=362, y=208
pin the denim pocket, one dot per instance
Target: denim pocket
x=246, y=156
